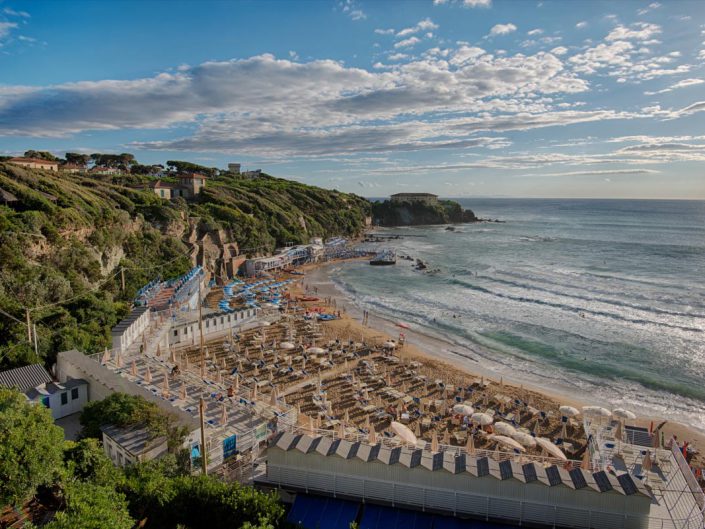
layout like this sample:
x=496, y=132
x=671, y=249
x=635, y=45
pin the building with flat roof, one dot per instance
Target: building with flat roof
x=35, y=163
x=25, y=378
x=127, y=446
x=415, y=198
x=62, y=399
x=234, y=168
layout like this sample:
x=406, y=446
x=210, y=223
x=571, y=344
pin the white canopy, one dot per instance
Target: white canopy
x=287, y=345
x=507, y=441
x=569, y=411
x=389, y=345
x=315, y=350
x=482, y=419
x=524, y=439
x=404, y=433
x=596, y=411
x=463, y=409
x=504, y=428
x=623, y=414
x=549, y=447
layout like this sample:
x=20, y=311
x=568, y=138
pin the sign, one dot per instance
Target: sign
x=229, y=446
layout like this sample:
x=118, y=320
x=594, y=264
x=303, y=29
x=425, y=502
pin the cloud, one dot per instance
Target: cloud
x=685, y=83
x=398, y=56
x=11, y=12
x=560, y=50
x=637, y=31
x=411, y=41
x=602, y=172
x=650, y=7
x=350, y=8
x=502, y=29
x=389, y=31
x=423, y=25
x=534, y=32
x=465, y=3
x=581, y=25
x=5, y=29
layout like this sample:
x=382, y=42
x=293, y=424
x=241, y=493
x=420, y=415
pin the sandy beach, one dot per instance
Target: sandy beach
x=452, y=360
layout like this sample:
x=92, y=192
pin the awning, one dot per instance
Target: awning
x=313, y=512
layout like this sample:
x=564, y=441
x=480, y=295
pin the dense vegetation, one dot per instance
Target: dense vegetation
x=390, y=213
x=79, y=483
x=64, y=242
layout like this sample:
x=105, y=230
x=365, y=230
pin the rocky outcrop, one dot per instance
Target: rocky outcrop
x=389, y=213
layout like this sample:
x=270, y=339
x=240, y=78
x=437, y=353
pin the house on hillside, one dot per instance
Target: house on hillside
x=35, y=163
x=251, y=175
x=72, y=168
x=104, y=171
x=189, y=186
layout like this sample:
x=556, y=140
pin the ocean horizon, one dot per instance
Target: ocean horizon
x=598, y=298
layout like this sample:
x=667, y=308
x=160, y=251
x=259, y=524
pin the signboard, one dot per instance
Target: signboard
x=229, y=446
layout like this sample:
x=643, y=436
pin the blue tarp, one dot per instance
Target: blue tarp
x=313, y=512
x=378, y=517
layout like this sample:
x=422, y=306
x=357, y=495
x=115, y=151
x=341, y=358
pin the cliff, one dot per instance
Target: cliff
x=64, y=239
x=390, y=213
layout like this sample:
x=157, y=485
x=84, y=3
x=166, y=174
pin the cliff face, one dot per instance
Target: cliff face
x=390, y=213
x=65, y=238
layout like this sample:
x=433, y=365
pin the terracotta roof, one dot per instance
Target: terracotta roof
x=161, y=185
x=32, y=160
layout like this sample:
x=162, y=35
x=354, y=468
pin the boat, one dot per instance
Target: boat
x=385, y=257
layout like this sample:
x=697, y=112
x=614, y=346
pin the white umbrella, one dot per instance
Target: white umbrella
x=315, y=350
x=504, y=428
x=389, y=345
x=624, y=414
x=524, y=439
x=549, y=447
x=569, y=411
x=482, y=419
x=507, y=441
x=403, y=433
x=596, y=411
x=287, y=345
x=463, y=409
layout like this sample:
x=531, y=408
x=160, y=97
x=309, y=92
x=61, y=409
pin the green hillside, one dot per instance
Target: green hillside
x=64, y=241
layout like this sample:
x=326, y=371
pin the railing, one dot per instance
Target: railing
x=689, y=479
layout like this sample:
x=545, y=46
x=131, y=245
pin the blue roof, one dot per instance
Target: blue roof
x=378, y=517
x=313, y=512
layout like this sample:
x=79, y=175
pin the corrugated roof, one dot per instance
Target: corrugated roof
x=25, y=378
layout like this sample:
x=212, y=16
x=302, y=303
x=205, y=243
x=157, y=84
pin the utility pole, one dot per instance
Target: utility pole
x=200, y=326
x=204, y=462
x=29, y=327
x=122, y=277
x=36, y=347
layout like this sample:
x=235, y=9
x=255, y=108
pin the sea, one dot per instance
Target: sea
x=602, y=300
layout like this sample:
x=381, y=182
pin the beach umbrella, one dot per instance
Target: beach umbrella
x=372, y=436
x=434, y=441
x=504, y=428
x=463, y=409
x=341, y=430
x=585, y=463
x=646, y=461
x=389, y=345
x=417, y=429
x=118, y=359
x=273, y=397
x=549, y=447
x=507, y=442
x=623, y=414
x=446, y=437
x=596, y=411
x=564, y=431
x=254, y=391
x=133, y=369
x=470, y=445
x=159, y=350
x=569, y=411
x=172, y=354
x=106, y=356
x=148, y=376
x=482, y=419
x=524, y=439
x=165, y=385
x=224, y=415
x=403, y=433
x=315, y=350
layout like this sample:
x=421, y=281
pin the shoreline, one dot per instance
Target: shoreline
x=438, y=353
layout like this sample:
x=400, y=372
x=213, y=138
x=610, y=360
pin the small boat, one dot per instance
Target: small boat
x=383, y=258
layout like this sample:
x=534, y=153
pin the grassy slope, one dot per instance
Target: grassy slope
x=70, y=249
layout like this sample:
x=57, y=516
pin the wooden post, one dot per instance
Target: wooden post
x=36, y=347
x=204, y=462
x=122, y=278
x=200, y=326
x=29, y=327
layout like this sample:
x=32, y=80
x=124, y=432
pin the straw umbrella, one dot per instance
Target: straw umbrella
x=133, y=369
x=585, y=463
x=106, y=357
x=118, y=359
x=148, y=376
x=434, y=442
x=172, y=355
x=446, y=437
x=165, y=385
x=646, y=462
x=254, y=391
x=182, y=392
x=273, y=397
x=470, y=445
x=224, y=415
x=372, y=436
x=237, y=381
x=159, y=349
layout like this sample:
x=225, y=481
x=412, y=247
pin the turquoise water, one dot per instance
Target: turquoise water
x=601, y=298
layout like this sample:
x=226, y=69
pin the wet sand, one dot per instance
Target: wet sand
x=451, y=360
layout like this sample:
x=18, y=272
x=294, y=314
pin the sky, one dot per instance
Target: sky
x=457, y=97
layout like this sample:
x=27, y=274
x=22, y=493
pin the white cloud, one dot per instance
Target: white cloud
x=351, y=8
x=423, y=25
x=560, y=50
x=534, y=32
x=11, y=12
x=293, y=55
x=685, y=83
x=650, y=7
x=389, y=31
x=411, y=41
x=637, y=31
x=398, y=56
x=5, y=29
x=581, y=25
x=477, y=3
x=502, y=29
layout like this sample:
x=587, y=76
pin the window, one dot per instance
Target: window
x=176, y=332
x=74, y=393
x=222, y=319
x=64, y=398
x=228, y=318
x=208, y=323
x=162, y=192
x=185, y=330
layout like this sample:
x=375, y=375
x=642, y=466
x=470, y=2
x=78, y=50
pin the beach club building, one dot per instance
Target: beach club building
x=35, y=163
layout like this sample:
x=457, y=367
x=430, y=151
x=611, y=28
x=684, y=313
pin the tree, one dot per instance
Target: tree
x=189, y=167
x=77, y=159
x=42, y=155
x=30, y=447
x=119, y=409
x=91, y=506
x=85, y=461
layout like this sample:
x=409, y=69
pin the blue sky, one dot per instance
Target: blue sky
x=458, y=97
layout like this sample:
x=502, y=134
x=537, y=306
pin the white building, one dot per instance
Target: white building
x=128, y=330
x=62, y=399
x=127, y=446
x=185, y=329
x=234, y=168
